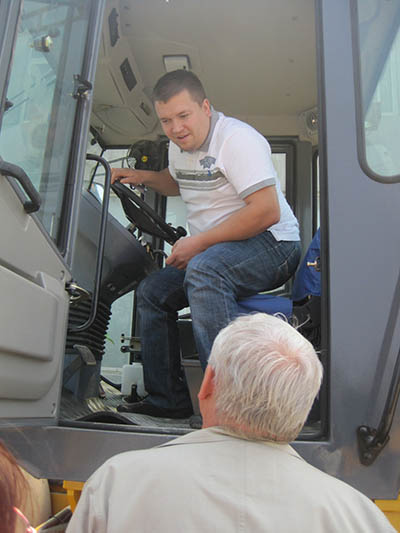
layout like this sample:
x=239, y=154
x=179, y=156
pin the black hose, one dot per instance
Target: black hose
x=109, y=382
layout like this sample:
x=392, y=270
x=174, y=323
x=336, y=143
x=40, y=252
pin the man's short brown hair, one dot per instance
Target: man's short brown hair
x=177, y=81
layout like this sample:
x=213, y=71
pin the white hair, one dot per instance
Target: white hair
x=266, y=377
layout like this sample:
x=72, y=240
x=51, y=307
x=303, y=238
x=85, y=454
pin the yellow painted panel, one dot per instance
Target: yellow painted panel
x=74, y=489
x=391, y=508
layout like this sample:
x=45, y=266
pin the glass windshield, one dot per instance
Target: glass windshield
x=37, y=129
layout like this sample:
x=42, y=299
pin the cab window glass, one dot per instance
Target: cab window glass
x=379, y=72
x=37, y=128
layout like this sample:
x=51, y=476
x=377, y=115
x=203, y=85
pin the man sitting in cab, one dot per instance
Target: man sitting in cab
x=243, y=238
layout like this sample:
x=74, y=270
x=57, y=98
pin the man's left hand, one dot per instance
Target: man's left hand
x=183, y=251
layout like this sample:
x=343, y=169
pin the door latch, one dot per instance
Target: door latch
x=81, y=87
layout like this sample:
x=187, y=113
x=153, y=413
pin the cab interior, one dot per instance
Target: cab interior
x=257, y=63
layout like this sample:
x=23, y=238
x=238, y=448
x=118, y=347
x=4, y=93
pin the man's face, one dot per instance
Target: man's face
x=184, y=121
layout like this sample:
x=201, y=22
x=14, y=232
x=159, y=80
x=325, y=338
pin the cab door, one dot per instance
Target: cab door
x=359, y=84
x=47, y=53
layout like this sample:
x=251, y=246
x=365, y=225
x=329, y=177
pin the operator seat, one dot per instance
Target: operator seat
x=306, y=287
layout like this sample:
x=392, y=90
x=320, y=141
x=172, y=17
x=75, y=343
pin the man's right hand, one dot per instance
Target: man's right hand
x=127, y=175
x=161, y=181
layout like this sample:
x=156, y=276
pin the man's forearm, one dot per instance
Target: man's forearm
x=242, y=224
x=161, y=181
x=260, y=212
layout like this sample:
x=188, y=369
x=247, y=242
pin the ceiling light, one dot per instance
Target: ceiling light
x=176, y=62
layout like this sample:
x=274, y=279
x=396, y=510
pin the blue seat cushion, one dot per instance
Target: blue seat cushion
x=266, y=303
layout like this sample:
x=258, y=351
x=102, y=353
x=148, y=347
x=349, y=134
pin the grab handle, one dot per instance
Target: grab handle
x=8, y=169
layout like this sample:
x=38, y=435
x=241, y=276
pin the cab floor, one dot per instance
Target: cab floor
x=96, y=409
x=104, y=410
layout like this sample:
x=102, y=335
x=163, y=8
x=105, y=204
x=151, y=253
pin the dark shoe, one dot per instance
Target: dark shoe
x=146, y=408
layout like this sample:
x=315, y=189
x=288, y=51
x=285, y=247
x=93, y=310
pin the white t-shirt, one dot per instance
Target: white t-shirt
x=233, y=162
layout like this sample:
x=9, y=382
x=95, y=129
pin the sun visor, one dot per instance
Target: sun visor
x=120, y=104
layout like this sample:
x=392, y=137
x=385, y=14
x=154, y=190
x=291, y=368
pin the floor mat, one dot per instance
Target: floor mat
x=104, y=410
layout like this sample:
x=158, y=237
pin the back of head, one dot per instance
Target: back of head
x=177, y=81
x=13, y=487
x=266, y=377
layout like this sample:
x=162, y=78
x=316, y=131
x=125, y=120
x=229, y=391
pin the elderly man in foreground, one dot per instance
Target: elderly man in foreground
x=238, y=473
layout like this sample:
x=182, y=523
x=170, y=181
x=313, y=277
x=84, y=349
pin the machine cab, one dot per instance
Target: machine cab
x=319, y=79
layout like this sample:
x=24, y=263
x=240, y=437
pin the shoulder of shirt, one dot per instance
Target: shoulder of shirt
x=143, y=459
x=230, y=126
x=209, y=436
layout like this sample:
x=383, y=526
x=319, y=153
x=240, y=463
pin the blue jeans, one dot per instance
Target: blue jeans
x=211, y=284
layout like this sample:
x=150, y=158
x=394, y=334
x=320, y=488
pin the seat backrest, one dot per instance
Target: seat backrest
x=307, y=283
x=308, y=278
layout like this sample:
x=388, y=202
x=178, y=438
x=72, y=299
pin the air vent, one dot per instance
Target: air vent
x=127, y=74
x=113, y=27
x=145, y=108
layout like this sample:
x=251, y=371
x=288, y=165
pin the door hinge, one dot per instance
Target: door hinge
x=76, y=293
x=8, y=104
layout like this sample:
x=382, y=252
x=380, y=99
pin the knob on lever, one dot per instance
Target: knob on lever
x=315, y=264
x=180, y=232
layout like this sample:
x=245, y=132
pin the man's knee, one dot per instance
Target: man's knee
x=147, y=287
x=201, y=272
x=164, y=287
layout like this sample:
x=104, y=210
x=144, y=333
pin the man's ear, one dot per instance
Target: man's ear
x=207, y=385
x=206, y=106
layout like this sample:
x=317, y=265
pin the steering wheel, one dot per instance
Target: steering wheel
x=144, y=217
